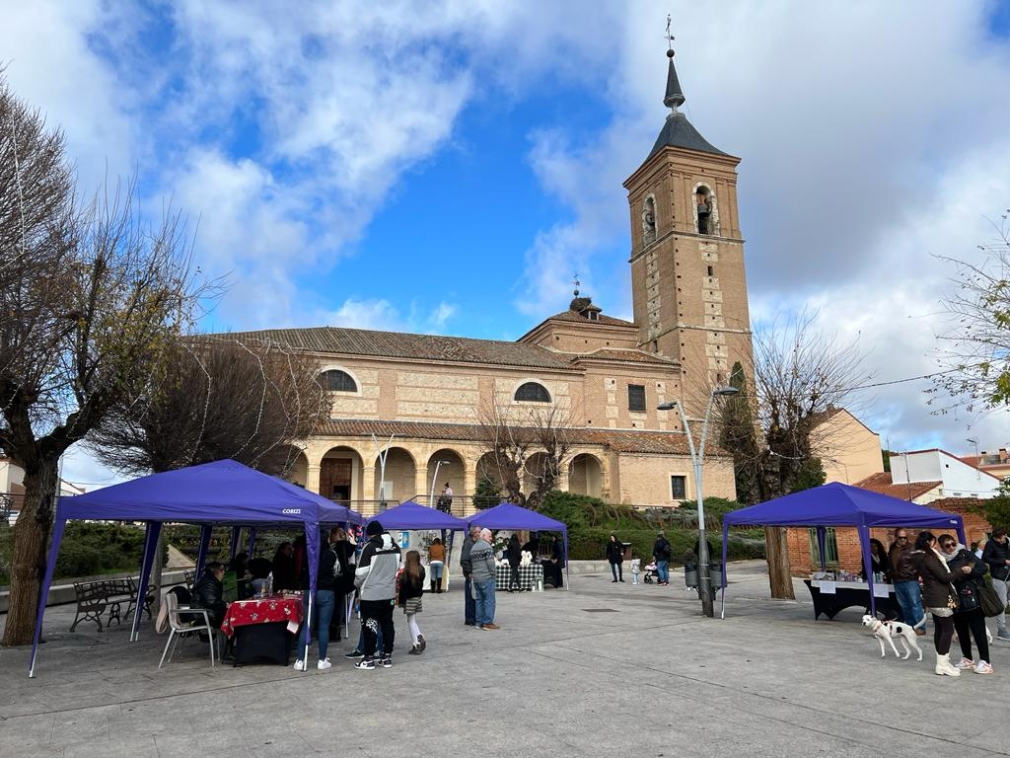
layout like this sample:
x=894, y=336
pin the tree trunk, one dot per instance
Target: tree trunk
x=779, y=574
x=28, y=563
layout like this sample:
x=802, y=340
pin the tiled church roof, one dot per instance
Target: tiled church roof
x=621, y=441
x=425, y=347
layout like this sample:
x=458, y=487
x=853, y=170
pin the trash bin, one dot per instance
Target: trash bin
x=626, y=549
x=691, y=576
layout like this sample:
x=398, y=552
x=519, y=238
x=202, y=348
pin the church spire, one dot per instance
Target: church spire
x=678, y=131
x=674, y=96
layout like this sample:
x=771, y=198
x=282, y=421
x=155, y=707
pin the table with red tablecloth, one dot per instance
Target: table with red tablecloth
x=263, y=627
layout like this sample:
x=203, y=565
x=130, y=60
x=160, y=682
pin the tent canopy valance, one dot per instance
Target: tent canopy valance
x=840, y=505
x=222, y=492
x=413, y=516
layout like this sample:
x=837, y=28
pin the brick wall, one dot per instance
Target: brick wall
x=849, y=551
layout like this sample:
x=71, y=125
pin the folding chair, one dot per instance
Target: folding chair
x=178, y=628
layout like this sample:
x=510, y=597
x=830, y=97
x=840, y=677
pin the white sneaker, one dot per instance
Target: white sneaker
x=965, y=664
x=324, y=664
x=299, y=665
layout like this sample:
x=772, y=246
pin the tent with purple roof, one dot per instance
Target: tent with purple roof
x=839, y=504
x=212, y=494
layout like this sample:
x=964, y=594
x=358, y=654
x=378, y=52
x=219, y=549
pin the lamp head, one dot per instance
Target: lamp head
x=667, y=406
x=725, y=391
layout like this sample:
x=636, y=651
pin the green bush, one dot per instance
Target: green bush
x=590, y=522
x=77, y=560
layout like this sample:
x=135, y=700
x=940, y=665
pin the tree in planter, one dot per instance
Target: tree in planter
x=526, y=438
x=487, y=495
x=90, y=300
x=799, y=377
x=218, y=397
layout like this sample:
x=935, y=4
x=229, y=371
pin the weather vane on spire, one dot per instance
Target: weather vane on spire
x=576, y=284
x=669, y=37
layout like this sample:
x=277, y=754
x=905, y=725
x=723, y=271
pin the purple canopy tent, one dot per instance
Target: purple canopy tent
x=512, y=517
x=838, y=504
x=413, y=516
x=212, y=494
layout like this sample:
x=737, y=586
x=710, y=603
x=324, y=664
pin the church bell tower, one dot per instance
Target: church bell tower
x=687, y=263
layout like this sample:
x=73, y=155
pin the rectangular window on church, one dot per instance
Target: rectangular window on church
x=636, y=397
x=678, y=487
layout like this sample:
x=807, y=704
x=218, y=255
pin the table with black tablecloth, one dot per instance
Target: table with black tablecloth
x=554, y=573
x=531, y=577
x=263, y=628
x=841, y=595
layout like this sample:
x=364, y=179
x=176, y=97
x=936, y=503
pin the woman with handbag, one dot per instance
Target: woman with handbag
x=938, y=597
x=969, y=620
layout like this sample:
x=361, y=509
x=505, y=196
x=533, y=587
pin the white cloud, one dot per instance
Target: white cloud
x=383, y=315
x=871, y=135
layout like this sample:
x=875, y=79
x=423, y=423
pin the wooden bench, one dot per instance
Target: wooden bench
x=94, y=597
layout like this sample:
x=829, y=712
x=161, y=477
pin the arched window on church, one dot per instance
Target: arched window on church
x=336, y=380
x=705, y=204
x=531, y=392
x=649, y=220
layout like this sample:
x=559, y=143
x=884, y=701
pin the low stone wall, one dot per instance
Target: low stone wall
x=61, y=594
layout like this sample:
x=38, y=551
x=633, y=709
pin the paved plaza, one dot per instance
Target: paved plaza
x=601, y=670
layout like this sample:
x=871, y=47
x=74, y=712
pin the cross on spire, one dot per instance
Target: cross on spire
x=669, y=37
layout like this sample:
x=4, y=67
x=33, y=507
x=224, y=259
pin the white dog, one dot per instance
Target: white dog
x=888, y=630
x=526, y=559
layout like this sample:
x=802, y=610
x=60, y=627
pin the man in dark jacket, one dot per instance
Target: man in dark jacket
x=905, y=579
x=469, y=607
x=375, y=579
x=997, y=556
x=208, y=592
x=661, y=554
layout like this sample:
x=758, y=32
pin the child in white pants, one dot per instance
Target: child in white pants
x=636, y=569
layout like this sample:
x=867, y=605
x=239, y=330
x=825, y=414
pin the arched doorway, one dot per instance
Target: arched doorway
x=585, y=475
x=400, y=480
x=340, y=475
x=445, y=468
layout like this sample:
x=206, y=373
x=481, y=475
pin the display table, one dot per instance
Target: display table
x=830, y=597
x=264, y=628
x=554, y=573
x=531, y=577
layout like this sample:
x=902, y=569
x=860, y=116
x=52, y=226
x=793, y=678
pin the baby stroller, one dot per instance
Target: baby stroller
x=650, y=573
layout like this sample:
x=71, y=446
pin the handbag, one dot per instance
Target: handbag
x=991, y=604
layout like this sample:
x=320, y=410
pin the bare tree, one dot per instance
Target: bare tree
x=799, y=375
x=218, y=397
x=526, y=439
x=90, y=301
x=975, y=349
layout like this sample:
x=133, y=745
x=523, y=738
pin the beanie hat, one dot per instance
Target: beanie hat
x=373, y=528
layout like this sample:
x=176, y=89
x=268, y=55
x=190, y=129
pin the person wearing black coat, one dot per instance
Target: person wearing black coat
x=615, y=557
x=208, y=592
x=938, y=597
x=343, y=583
x=968, y=616
x=997, y=556
x=515, y=556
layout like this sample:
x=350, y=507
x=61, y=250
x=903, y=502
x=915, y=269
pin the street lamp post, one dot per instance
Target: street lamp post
x=434, y=478
x=698, y=461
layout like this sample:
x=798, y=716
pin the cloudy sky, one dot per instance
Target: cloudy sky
x=448, y=167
